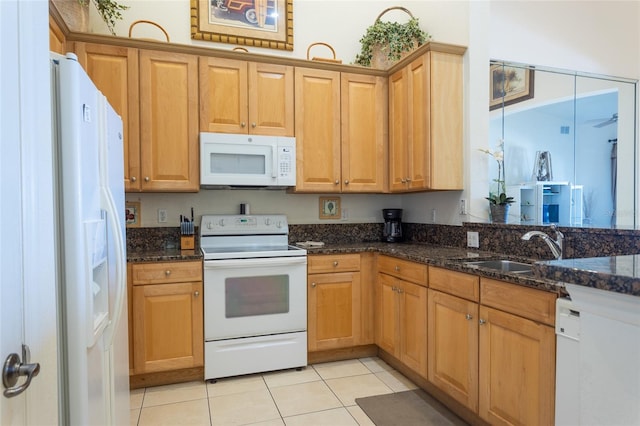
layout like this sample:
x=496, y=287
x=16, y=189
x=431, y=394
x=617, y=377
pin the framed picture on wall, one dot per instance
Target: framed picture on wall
x=509, y=85
x=132, y=214
x=329, y=208
x=259, y=23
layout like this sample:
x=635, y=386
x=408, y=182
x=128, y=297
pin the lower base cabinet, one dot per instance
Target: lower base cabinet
x=167, y=316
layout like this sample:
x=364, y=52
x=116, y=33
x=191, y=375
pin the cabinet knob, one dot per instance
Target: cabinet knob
x=146, y=179
x=167, y=272
x=337, y=182
x=133, y=179
x=397, y=268
x=243, y=124
x=313, y=285
x=253, y=125
x=400, y=290
x=403, y=180
x=469, y=317
x=196, y=294
x=335, y=263
x=346, y=182
x=394, y=288
x=482, y=322
x=408, y=180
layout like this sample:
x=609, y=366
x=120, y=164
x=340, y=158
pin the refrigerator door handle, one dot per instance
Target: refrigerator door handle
x=121, y=283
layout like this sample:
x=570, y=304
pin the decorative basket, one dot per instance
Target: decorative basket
x=240, y=49
x=380, y=55
x=332, y=60
x=142, y=21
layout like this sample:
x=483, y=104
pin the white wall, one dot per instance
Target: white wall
x=593, y=36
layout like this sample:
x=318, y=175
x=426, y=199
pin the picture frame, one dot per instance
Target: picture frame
x=132, y=214
x=329, y=208
x=259, y=23
x=509, y=85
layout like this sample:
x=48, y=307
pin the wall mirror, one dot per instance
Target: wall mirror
x=570, y=146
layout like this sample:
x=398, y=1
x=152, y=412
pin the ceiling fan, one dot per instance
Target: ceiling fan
x=606, y=122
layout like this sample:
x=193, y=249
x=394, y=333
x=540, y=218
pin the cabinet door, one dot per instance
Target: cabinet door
x=317, y=128
x=114, y=71
x=167, y=327
x=387, y=306
x=333, y=310
x=271, y=99
x=418, y=140
x=223, y=95
x=364, y=147
x=57, y=40
x=169, y=121
x=398, y=130
x=453, y=347
x=446, y=120
x=413, y=326
x=517, y=370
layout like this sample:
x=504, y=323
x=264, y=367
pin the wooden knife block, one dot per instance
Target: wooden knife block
x=187, y=242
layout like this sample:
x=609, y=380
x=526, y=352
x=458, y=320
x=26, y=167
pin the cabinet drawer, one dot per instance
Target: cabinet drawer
x=458, y=284
x=536, y=305
x=333, y=263
x=403, y=269
x=166, y=272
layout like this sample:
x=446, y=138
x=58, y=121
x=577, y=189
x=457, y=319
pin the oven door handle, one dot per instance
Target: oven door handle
x=253, y=263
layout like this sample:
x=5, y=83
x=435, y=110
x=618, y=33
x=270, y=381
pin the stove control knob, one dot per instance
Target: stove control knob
x=209, y=225
x=279, y=224
x=267, y=221
x=221, y=222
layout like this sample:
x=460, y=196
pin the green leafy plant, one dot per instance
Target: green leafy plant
x=109, y=10
x=392, y=37
x=500, y=198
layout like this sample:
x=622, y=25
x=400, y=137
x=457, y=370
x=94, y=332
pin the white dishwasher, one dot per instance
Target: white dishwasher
x=567, y=363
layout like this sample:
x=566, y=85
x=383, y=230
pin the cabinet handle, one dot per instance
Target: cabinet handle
x=469, y=317
x=335, y=263
x=313, y=285
x=167, y=272
x=146, y=179
x=243, y=124
x=196, y=294
x=482, y=322
x=253, y=125
x=337, y=182
x=133, y=179
x=346, y=182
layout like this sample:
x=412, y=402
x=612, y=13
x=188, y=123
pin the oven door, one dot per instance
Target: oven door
x=254, y=297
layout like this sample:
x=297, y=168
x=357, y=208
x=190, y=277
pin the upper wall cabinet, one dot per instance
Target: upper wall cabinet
x=340, y=131
x=425, y=124
x=246, y=97
x=57, y=40
x=169, y=121
x=114, y=70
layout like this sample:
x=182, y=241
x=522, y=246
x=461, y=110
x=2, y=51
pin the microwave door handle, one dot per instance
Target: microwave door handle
x=274, y=165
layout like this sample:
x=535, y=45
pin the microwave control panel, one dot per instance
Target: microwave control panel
x=286, y=157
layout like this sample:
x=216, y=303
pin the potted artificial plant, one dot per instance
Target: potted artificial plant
x=386, y=42
x=109, y=10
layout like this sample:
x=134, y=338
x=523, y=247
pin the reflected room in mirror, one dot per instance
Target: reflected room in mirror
x=587, y=124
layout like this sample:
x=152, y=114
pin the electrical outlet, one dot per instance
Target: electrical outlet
x=473, y=239
x=463, y=207
x=162, y=215
x=433, y=215
x=345, y=214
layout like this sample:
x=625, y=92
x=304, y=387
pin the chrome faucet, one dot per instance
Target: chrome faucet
x=554, y=245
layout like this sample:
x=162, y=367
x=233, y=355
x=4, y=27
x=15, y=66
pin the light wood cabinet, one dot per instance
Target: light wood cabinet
x=167, y=316
x=425, y=124
x=169, y=146
x=333, y=302
x=517, y=354
x=340, y=132
x=246, y=97
x=114, y=71
x=57, y=40
x=401, y=313
x=453, y=334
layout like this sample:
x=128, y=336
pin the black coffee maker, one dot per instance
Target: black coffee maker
x=392, y=232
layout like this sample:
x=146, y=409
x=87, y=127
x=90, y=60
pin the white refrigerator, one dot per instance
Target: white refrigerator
x=89, y=192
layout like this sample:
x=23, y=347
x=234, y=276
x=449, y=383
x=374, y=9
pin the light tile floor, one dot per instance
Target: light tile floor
x=321, y=394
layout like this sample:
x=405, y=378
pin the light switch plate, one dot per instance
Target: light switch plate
x=473, y=239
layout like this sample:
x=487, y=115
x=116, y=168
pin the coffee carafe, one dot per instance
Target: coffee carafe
x=392, y=232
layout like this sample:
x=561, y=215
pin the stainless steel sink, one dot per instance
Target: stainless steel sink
x=503, y=266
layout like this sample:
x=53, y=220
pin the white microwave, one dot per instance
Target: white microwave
x=232, y=160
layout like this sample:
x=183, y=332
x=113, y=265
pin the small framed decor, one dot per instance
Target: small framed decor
x=132, y=214
x=259, y=23
x=329, y=208
x=509, y=85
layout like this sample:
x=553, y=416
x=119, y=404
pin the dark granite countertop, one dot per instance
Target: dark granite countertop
x=620, y=274
x=168, y=255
